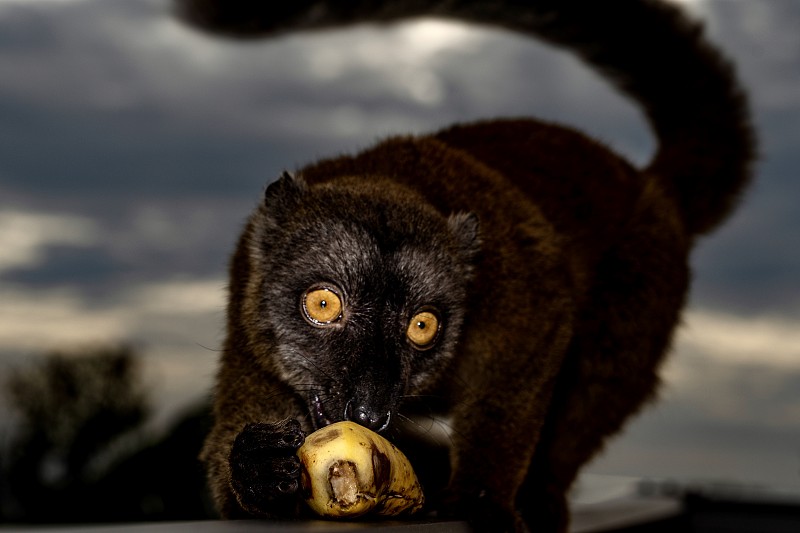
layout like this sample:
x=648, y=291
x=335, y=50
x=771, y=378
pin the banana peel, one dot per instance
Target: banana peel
x=348, y=471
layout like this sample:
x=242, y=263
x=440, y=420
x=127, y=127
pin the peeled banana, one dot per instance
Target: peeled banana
x=348, y=471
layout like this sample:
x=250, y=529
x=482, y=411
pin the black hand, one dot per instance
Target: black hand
x=265, y=470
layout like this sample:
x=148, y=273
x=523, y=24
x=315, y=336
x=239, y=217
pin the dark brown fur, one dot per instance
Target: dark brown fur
x=582, y=270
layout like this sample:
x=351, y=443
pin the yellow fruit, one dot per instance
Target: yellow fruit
x=349, y=471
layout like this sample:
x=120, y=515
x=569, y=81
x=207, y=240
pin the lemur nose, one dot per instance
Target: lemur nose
x=367, y=417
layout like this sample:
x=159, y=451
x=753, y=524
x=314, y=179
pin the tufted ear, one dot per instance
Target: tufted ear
x=283, y=194
x=466, y=229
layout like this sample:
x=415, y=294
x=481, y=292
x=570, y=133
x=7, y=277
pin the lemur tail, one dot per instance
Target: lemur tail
x=647, y=48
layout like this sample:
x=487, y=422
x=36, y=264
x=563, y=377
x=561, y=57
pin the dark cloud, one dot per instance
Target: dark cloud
x=135, y=104
x=61, y=265
x=736, y=424
x=751, y=266
x=125, y=156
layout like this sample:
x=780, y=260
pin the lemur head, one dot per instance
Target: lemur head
x=360, y=293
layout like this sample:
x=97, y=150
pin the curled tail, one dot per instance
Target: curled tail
x=649, y=49
x=688, y=90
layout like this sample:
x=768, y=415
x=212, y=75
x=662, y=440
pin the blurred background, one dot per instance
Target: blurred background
x=132, y=148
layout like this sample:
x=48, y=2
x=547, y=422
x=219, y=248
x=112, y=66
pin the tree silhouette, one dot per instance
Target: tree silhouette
x=81, y=453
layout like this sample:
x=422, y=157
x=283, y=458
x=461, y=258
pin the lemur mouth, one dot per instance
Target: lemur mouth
x=319, y=418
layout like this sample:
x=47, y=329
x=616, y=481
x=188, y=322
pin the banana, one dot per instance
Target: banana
x=348, y=471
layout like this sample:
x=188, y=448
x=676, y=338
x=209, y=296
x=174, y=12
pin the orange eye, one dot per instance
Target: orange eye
x=423, y=329
x=322, y=306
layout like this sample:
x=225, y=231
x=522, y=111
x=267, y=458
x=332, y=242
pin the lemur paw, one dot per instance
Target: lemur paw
x=265, y=470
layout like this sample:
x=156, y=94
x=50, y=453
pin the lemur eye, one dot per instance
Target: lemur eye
x=423, y=329
x=322, y=306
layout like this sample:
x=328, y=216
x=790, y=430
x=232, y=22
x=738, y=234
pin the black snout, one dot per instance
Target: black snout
x=367, y=417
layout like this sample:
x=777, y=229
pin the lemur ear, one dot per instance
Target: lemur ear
x=466, y=229
x=283, y=194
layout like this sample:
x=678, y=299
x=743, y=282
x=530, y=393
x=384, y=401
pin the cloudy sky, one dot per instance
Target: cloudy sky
x=132, y=148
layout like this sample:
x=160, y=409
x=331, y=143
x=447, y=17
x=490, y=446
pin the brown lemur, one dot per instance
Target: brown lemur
x=514, y=277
